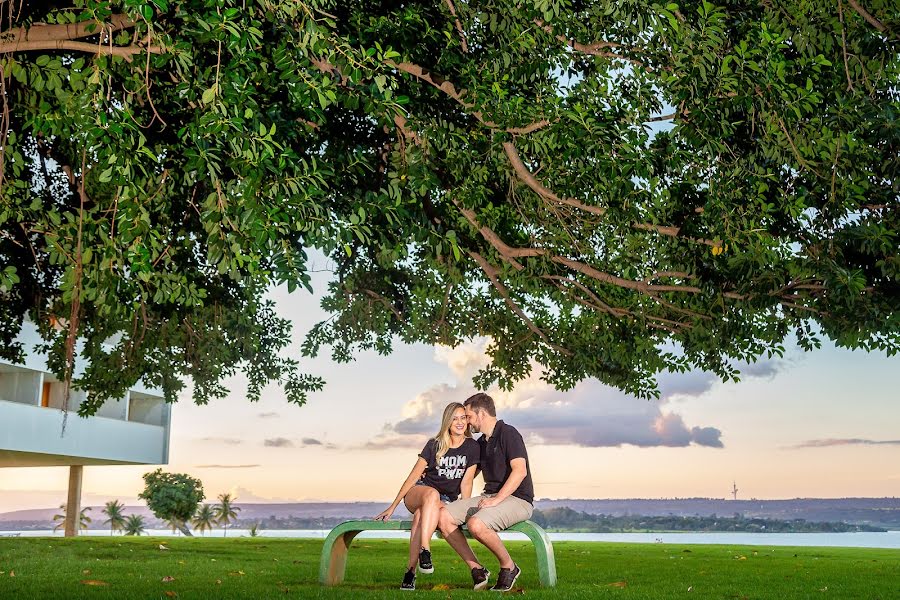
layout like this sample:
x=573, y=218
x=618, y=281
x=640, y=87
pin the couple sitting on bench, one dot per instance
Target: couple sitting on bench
x=438, y=491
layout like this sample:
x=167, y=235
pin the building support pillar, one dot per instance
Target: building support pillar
x=73, y=504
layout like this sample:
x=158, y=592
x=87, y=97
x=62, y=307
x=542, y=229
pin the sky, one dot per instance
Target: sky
x=822, y=424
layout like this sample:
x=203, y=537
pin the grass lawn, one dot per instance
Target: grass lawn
x=120, y=568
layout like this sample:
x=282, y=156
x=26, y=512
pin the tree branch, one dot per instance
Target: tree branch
x=42, y=32
x=492, y=274
x=593, y=48
x=531, y=181
x=459, y=29
x=868, y=16
x=450, y=90
x=126, y=52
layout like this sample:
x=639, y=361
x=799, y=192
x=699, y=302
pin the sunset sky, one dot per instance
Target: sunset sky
x=824, y=424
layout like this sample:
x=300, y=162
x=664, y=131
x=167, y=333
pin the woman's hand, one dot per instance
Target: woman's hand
x=385, y=514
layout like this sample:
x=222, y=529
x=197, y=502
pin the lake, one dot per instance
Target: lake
x=890, y=539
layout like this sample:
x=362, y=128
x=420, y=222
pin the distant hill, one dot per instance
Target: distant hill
x=878, y=512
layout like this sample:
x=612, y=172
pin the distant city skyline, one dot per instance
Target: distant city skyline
x=822, y=424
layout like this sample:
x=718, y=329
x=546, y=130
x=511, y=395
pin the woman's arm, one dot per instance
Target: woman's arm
x=465, y=487
x=414, y=476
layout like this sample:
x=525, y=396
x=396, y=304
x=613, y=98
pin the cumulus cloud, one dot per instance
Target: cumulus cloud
x=827, y=443
x=591, y=414
x=278, y=442
x=311, y=442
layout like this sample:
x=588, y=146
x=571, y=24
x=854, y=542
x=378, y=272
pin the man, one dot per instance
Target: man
x=507, y=498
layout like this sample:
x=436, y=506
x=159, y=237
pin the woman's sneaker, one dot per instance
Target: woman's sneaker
x=480, y=577
x=409, y=580
x=425, y=565
x=507, y=579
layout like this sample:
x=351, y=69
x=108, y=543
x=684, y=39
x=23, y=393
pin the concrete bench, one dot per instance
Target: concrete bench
x=337, y=545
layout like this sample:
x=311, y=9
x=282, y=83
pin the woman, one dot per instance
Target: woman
x=445, y=469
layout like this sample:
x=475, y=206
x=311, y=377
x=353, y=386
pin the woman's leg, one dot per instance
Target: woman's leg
x=429, y=521
x=414, y=540
x=416, y=499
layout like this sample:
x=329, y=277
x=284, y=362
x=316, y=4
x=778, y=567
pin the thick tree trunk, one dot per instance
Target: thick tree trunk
x=184, y=529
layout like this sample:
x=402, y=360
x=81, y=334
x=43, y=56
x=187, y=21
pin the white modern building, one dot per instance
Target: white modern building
x=131, y=430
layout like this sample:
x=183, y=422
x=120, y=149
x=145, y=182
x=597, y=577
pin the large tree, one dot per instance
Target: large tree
x=608, y=189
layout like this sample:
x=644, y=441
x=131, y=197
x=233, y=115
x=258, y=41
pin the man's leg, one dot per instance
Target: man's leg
x=491, y=541
x=454, y=536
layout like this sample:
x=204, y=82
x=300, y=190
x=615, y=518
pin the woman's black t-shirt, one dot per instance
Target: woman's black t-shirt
x=445, y=475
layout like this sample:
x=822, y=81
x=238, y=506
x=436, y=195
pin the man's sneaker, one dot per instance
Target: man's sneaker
x=425, y=565
x=480, y=577
x=409, y=580
x=507, y=579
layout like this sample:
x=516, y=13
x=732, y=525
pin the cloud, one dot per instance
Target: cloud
x=311, y=442
x=222, y=440
x=267, y=415
x=386, y=441
x=591, y=414
x=827, y=443
x=278, y=442
x=226, y=466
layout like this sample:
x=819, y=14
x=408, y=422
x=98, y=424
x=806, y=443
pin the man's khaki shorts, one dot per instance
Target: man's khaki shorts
x=506, y=514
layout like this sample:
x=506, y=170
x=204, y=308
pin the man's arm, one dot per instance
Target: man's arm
x=518, y=472
x=465, y=487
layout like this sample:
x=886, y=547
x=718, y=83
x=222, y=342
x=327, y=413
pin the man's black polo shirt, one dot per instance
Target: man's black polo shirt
x=505, y=444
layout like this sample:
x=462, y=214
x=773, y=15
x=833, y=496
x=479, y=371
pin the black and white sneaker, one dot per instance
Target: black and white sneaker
x=507, y=579
x=425, y=564
x=480, y=577
x=409, y=580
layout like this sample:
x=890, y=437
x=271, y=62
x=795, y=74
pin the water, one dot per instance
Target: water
x=890, y=539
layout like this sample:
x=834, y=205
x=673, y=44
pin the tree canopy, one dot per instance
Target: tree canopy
x=607, y=189
x=172, y=497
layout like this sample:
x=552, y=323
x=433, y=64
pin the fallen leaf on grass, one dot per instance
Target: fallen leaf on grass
x=218, y=582
x=167, y=579
x=171, y=594
x=163, y=547
x=237, y=573
x=86, y=572
x=740, y=557
x=181, y=562
x=618, y=584
x=441, y=587
x=93, y=582
x=824, y=589
x=12, y=573
x=690, y=588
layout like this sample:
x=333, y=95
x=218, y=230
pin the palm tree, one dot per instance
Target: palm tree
x=204, y=518
x=134, y=525
x=113, y=510
x=83, y=518
x=226, y=512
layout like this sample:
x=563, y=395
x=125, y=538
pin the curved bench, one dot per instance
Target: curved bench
x=337, y=545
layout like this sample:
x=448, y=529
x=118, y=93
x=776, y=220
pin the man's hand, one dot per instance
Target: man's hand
x=489, y=502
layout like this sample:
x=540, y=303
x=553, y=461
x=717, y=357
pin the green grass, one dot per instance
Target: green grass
x=253, y=568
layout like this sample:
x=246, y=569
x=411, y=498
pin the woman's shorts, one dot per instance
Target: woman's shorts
x=444, y=497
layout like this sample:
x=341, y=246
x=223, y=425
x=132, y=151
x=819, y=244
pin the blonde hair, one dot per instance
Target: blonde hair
x=443, y=435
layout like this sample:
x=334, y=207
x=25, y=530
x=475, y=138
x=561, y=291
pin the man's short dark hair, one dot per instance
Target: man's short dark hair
x=481, y=401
